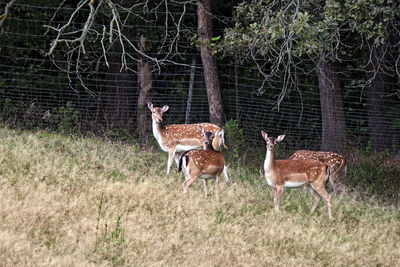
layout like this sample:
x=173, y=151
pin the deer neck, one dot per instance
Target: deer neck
x=158, y=132
x=269, y=160
x=208, y=146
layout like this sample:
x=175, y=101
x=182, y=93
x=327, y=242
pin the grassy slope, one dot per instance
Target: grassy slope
x=53, y=213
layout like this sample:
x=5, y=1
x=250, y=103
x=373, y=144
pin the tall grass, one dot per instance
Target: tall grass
x=69, y=201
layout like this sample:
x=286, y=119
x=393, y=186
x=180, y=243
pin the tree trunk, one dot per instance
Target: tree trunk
x=145, y=84
x=204, y=30
x=381, y=72
x=333, y=127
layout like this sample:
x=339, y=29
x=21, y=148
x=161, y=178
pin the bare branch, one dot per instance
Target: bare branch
x=85, y=30
x=6, y=12
x=55, y=13
x=113, y=33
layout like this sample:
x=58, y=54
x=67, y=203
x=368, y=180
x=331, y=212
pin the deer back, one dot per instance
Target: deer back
x=187, y=136
x=205, y=161
x=302, y=171
x=335, y=162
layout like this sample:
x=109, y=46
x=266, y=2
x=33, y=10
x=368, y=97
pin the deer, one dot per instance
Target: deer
x=335, y=162
x=205, y=164
x=174, y=138
x=294, y=173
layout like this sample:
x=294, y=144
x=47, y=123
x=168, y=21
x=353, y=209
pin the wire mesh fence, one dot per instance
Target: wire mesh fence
x=36, y=93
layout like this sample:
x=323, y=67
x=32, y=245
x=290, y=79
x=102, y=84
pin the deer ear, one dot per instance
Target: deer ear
x=264, y=135
x=280, y=138
x=201, y=129
x=165, y=108
x=150, y=105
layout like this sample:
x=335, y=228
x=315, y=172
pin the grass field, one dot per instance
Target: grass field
x=68, y=201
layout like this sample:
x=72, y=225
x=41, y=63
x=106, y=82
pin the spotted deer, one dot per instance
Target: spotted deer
x=174, y=138
x=294, y=173
x=335, y=162
x=205, y=164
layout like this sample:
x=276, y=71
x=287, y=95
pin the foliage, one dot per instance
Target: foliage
x=281, y=35
x=288, y=28
x=8, y=111
x=235, y=138
x=122, y=135
x=67, y=118
x=372, y=18
x=371, y=174
x=284, y=29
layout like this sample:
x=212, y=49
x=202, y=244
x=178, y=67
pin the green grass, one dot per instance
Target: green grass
x=69, y=201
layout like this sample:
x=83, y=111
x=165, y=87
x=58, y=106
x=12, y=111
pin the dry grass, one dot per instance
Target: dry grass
x=83, y=202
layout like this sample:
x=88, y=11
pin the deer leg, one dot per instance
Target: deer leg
x=317, y=198
x=192, y=176
x=333, y=181
x=171, y=155
x=205, y=181
x=226, y=174
x=217, y=179
x=176, y=159
x=187, y=183
x=277, y=198
x=322, y=192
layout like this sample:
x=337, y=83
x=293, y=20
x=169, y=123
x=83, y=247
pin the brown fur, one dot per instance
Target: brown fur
x=203, y=162
x=182, y=135
x=294, y=173
x=188, y=134
x=335, y=162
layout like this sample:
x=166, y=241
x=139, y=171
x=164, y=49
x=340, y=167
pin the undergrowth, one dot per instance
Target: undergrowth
x=374, y=175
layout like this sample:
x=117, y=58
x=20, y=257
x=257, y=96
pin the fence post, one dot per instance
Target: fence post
x=190, y=93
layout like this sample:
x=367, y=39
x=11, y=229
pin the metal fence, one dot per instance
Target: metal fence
x=34, y=93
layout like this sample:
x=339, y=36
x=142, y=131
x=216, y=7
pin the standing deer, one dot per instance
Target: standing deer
x=206, y=164
x=180, y=137
x=335, y=162
x=294, y=173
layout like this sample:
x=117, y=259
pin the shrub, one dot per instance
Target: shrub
x=374, y=176
x=67, y=118
x=234, y=138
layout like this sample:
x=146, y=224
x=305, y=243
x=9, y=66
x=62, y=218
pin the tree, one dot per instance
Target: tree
x=377, y=24
x=204, y=30
x=380, y=91
x=333, y=127
x=286, y=35
x=116, y=31
x=110, y=44
x=145, y=87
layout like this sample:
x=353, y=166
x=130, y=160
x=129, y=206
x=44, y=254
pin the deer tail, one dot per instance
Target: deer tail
x=181, y=161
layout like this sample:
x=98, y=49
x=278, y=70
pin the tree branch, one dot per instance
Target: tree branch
x=6, y=12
